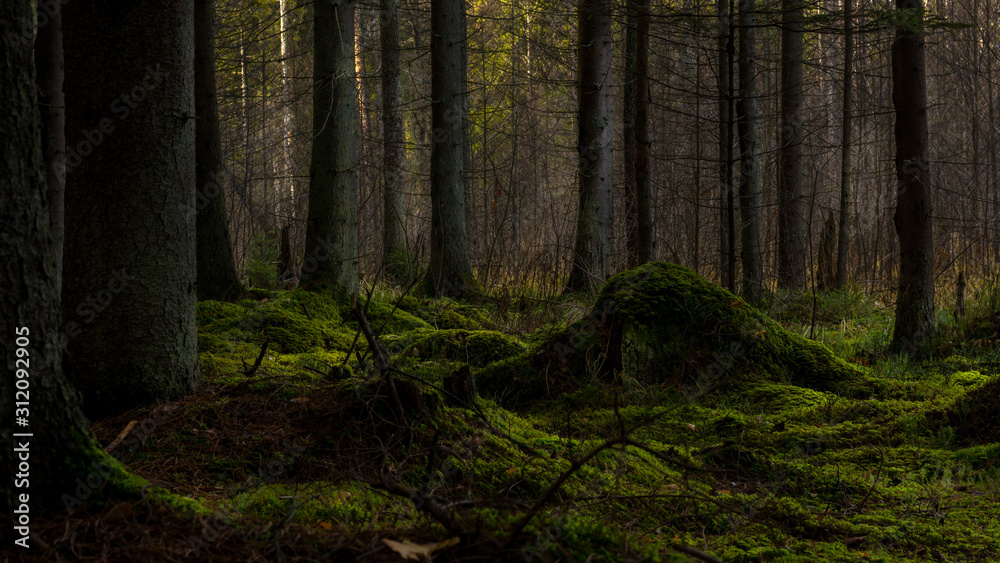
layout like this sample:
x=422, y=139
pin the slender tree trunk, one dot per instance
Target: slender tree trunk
x=791, y=202
x=725, y=137
x=638, y=203
x=844, y=232
x=592, y=251
x=644, y=195
x=395, y=259
x=217, y=277
x=450, y=272
x=915, y=300
x=332, y=230
x=130, y=189
x=52, y=105
x=746, y=108
x=62, y=448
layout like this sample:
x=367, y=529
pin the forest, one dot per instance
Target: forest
x=500, y=280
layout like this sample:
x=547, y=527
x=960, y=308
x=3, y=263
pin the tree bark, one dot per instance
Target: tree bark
x=332, y=230
x=395, y=258
x=592, y=251
x=61, y=446
x=727, y=239
x=217, y=277
x=844, y=230
x=915, y=300
x=746, y=108
x=791, y=202
x=450, y=271
x=130, y=189
x=52, y=106
x=638, y=204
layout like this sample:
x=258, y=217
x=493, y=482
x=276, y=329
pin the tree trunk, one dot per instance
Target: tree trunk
x=592, y=252
x=450, y=271
x=915, y=301
x=130, y=189
x=52, y=106
x=58, y=438
x=332, y=230
x=746, y=109
x=727, y=215
x=791, y=203
x=844, y=232
x=644, y=196
x=395, y=259
x=217, y=277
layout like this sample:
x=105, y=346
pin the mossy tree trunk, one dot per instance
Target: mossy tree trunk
x=61, y=448
x=746, y=108
x=592, y=251
x=395, y=259
x=332, y=229
x=450, y=270
x=130, y=233
x=217, y=277
x=791, y=202
x=915, y=300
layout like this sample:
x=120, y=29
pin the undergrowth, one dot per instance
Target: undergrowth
x=903, y=466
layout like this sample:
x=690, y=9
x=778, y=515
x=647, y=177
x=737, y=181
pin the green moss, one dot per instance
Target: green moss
x=672, y=325
x=445, y=314
x=477, y=348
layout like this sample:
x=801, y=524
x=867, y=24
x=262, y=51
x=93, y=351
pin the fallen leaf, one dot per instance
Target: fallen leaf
x=118, y=512
x=328, y=526
x=416, y=551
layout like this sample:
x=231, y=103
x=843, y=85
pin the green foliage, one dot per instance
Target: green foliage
x=261, y=267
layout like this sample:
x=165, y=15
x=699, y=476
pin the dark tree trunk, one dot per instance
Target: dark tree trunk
x=915, y=301
x=395, y=259
x=791, y=203
x=332, y=231
x=727, y=214
x=592, y=252
x=844, y=232
x=52, y=105
x=130, y=189
x=60, y=447
x=753, y=268
x=450, y=270
x=217, y=277
x=638, y=199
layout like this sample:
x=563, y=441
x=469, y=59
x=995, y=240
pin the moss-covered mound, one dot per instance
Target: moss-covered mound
x=975, y=416
x=476, y=348
x=663, y=323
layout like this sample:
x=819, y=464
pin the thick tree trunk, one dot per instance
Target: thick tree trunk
x=395, y=259
x=592, y=252
x=52, y=105
x=844, y=230
x=217, y=277
x=791, y=203
x=130, y=189
x=56, y=437
x=332, y=231
x=915, y=301
x=450, y=270
x=746, y=108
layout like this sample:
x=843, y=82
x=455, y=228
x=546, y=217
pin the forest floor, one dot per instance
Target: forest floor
x=307, y=458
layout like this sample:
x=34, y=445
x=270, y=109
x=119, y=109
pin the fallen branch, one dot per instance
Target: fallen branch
x=121, y=436
x=248, y=370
